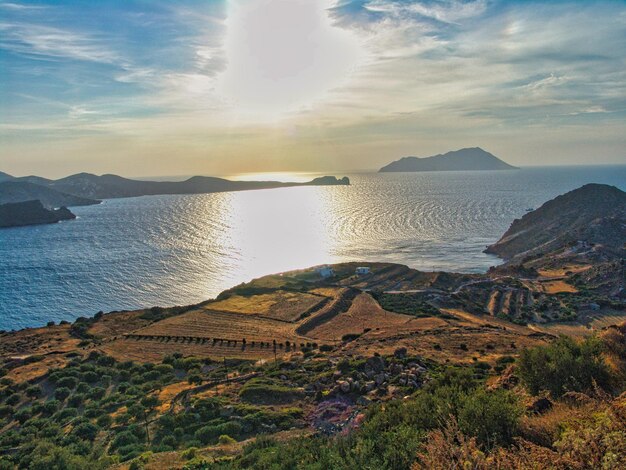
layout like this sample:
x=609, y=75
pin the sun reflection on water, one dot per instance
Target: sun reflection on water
x=280, y=229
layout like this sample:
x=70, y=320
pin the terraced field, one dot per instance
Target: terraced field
x=154, y=349
x=209, y=324
x=280, y=305
x=366, y=314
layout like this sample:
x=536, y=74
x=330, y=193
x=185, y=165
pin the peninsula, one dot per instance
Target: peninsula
x=467, y=159
x=90, y=188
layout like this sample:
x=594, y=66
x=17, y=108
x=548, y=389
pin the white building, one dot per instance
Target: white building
x=325, y=271
x=361, y=270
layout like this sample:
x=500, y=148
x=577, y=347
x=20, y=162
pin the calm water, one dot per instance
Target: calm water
x=176, y=250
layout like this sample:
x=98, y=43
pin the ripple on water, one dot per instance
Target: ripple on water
x=173, y=250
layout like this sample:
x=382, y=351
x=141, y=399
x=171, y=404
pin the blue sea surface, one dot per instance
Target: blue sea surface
x=182, y=249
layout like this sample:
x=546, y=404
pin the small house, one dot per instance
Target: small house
x=361, y=270
x=325, y=271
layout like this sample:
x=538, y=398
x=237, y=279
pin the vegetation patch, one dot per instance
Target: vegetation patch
x=268, y=392
x=407, y=303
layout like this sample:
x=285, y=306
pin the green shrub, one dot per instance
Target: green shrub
x=190, y=453
x=123, y=439
x=76, y=400
x=264, y=391
x=225, y=439
x=86, y=431
x=34, y=391
x=104, y=421
x=350, y=337
x=491, y=417
x=13, y=399
x=96, y=393
x=22, y=415
x=208, y=434
x=62, y=393
x=6, y=411
x=68, y=382
x=565, y=365
x=90, y=377
x=65, y=414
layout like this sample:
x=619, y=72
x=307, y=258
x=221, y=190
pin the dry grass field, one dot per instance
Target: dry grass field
x=33, y=370
x=563, y=270
x=208, y=333
x=147, y=350
x=37, y=341
x=366, y=313
x=208, y=323
x=118, y=323
x=449, y=343
x=281, y=305
x=555, y=287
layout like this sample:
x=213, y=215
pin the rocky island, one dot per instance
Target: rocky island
x=31, y=213
x=467, y=159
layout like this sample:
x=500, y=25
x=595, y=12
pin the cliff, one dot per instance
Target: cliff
x=594, y=214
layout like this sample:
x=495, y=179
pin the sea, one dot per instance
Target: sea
x=182, y=249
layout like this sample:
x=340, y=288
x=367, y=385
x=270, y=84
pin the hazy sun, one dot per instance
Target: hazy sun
x=283, y=55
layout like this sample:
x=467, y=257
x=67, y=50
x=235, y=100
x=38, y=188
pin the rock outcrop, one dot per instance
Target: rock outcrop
x=31, y=213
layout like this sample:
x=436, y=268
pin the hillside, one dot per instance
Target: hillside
x=13, y=191
x=390, y=377
x=594, y=214
x=467, y=159
x=31, y=213
x=89, y=186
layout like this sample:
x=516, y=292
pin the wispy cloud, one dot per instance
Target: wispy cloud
x=45, y=41
x=21, y=6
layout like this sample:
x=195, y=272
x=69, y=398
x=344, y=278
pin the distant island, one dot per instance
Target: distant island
x=31, y=213
x=467, y=159
x=85, y=188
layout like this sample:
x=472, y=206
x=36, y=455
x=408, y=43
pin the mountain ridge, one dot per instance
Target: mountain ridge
x=93, y=187
x=15, y=190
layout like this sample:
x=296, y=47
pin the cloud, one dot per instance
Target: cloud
x=50, y=42
x=21, y=7
x=442, y=11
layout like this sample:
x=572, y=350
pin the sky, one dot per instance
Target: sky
x=153, y=88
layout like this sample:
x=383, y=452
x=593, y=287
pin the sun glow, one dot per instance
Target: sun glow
x=283, y=176
x=283, y=55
